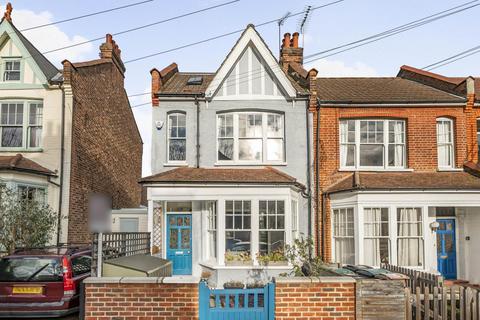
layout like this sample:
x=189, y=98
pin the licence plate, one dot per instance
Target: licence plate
x=27, y=290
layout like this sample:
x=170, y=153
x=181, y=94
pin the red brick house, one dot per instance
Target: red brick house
x=397, y=168
x=66, y=133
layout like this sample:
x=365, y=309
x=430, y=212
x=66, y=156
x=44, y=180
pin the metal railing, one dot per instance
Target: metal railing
x=119, y=244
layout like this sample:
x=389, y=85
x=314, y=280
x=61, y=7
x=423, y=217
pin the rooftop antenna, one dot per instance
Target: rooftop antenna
x=303, y=23
x=280, y=22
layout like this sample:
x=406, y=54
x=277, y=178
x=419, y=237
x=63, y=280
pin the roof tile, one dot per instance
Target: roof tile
x=20, y=163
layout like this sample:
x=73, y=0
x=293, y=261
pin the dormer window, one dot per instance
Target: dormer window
x=12, y=70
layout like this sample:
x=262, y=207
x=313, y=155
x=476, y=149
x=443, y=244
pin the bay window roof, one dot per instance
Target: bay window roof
x=266, y=175
x=20, y=163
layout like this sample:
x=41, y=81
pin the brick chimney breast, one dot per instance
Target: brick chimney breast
x=290, y=51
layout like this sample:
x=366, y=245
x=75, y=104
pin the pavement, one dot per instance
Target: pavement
x=69, y=317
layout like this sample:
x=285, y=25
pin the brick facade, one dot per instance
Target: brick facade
x=170, y=301
x=106, y=145
x=314, y=298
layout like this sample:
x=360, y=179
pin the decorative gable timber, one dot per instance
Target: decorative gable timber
x=250, y=71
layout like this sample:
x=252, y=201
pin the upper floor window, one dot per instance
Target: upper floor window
x=21, y=124
x=478, y=138
x=378, y=144
x=11, y=70
x=445, y=147
x=250, y=137
x=177, y=137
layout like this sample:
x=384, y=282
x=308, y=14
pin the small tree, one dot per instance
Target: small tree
x=24, y=222
x=300, y=257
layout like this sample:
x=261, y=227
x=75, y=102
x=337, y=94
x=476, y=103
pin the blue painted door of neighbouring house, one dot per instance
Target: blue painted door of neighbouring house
x=446, y=249
x=179, y=242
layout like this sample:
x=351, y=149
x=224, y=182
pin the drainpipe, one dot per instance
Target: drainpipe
x=197, y=103
x=62, y=158
x=308, y=195
x=317, y=180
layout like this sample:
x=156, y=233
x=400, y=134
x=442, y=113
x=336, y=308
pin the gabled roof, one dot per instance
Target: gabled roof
x=267, y=175
x=379, y=90
x=250, y=35
x=22, y=164
x=48, y=69
x=456, y=180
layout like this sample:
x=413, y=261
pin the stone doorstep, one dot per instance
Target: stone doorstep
x=314, y=280
x=176, y=279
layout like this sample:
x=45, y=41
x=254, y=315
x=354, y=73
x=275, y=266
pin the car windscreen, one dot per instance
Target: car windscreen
x=30, y=269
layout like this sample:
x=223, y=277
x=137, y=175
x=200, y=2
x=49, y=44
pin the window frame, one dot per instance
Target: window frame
x=373, y=237
x=212, y=231
x=442, y=144
x=5, y=60
x=421, y=237
x=169, y=138
x=26, y=126
x=478, y=140
x=352, y=237
x=265, y=138
x=357, y=143
x=267, y=215
x=243, y=229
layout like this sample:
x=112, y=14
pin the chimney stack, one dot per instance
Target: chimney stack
x=8, y=13
x=110, y=50
x=290, y=51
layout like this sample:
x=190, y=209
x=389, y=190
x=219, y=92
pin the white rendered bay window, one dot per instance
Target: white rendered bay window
x=238, y=215
x=410, y=242
x=372, y=143
x=344, y=236
x=250, y=137
x=376, y=236
x=272, y=226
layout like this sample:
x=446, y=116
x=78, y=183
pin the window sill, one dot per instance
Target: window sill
x=256, y=164
x=21, y=150
x=449, y=169
x=375, y=169
x=172, y=164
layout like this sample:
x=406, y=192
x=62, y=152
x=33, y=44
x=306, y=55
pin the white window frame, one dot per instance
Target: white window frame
x=169, y=138
x=352, y=236
x=264, y=137
x=5, y=71
x=212, y=230
x=294, y=213
x=450, y=144
x=34, y=187
x=243, y=229
x=26, y=125
x=379, y=236
x=267, y=222
x=343, y=133
x=478, y=138
x=421, y=237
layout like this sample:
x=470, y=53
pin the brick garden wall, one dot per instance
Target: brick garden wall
x=315, y=298
x=110, y=298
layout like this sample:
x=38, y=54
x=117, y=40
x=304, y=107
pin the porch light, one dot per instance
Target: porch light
x=434, y=226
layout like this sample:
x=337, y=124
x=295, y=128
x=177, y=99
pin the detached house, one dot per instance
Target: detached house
x=65, y=134
x=230, y=163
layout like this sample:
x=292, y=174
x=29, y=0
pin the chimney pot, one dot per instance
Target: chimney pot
x=8, y=12
x=295, y=40
x=286, y=40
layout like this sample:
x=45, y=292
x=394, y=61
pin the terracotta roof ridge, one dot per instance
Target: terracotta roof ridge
x=341, y=180
x=281, y=173
x=160, y=174
x=322, y=78
x=428, y=73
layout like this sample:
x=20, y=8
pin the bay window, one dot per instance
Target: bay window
x=445, y=147
x=343, y=236
x=410, y=242
x=238, y=226
x=32, y=193
x=376, y=236
x=250, y=137
x=294, y=211
x=177, y=138
x=212, y=230
x=272, y=226
x=21, y=125
x=371, y=143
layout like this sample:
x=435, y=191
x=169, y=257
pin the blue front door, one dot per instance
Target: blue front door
x=446, y=252
x=179, y=242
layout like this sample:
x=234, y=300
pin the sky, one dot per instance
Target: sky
x=328, y=27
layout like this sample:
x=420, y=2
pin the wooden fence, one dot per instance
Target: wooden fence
x=442, y=303
x=419, y=279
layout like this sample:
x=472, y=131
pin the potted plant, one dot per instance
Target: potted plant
x=233, y=285
x=237, y=258
x=255, y=284
x=274, y=258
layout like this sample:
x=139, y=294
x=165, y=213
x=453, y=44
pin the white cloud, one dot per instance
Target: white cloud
x=337, y=68
x=50, y=37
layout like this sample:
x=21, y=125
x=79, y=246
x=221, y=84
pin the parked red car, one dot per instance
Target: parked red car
x=43, y=282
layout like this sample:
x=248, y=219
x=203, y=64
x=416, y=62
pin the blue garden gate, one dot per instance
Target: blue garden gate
x=237, y=304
